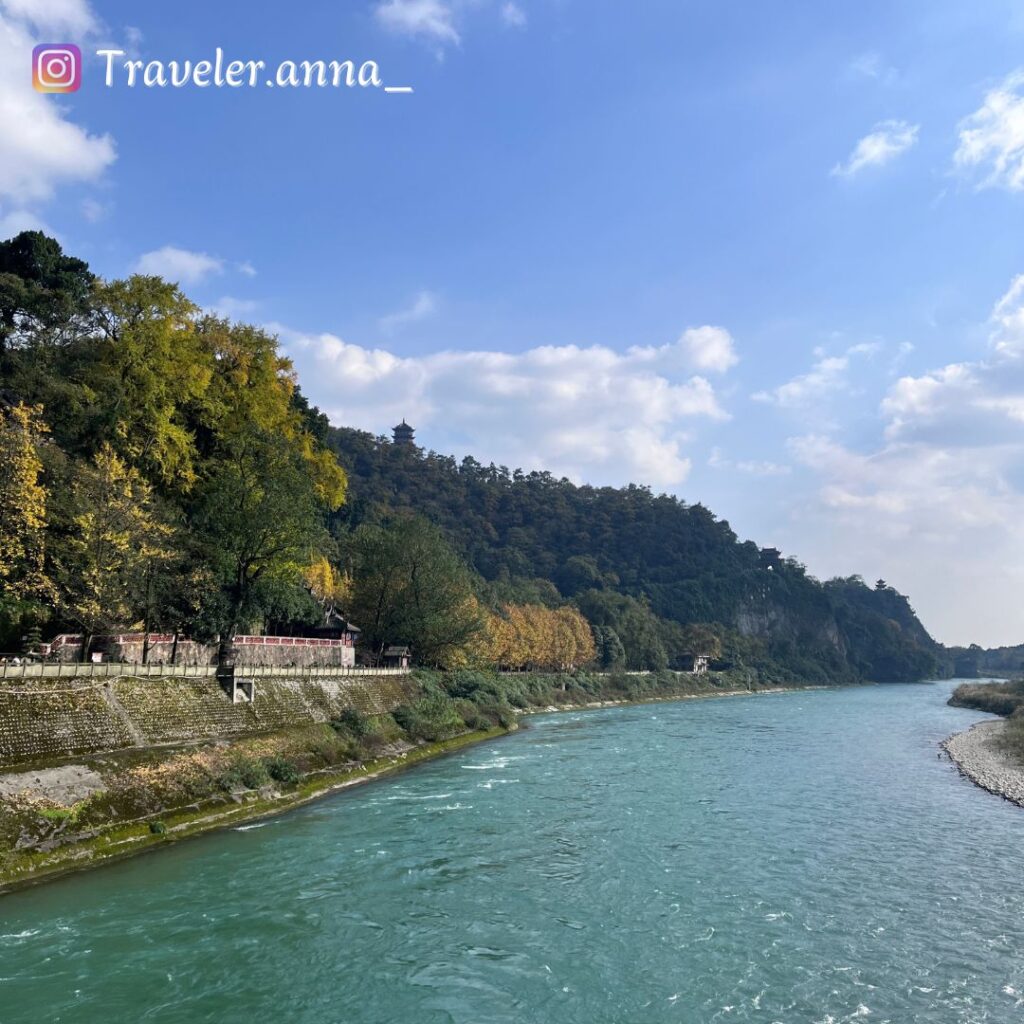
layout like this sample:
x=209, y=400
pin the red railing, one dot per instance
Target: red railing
x=75, y=639
x=291, y=641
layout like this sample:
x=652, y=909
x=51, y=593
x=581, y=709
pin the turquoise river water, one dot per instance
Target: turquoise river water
x=794, y=857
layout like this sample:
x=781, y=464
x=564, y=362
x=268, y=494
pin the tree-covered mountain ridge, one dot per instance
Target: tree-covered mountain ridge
x=161, y=471
x=664, y=576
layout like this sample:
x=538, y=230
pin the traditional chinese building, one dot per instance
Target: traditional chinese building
x=396, y=656
x=404, y=434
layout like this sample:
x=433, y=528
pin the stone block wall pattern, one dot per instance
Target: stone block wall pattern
x=127, y=712
x=262, y=651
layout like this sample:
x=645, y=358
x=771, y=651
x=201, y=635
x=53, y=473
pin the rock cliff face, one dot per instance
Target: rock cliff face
x=775, y=622
x=872, y=633
x=128, y=712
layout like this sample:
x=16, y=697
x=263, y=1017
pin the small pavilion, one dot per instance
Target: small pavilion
x=404, y=434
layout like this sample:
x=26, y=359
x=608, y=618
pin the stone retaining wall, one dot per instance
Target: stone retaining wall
x=302, y=654
x=128, y=712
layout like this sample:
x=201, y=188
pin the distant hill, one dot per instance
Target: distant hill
x=647, y=566
x=974, y=661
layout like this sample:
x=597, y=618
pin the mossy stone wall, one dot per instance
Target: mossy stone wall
x=129, y=712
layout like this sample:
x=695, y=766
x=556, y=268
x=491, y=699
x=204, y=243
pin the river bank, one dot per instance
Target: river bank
x=138, y=836
x=979, y=755
x=116, y=840
x=704, y=695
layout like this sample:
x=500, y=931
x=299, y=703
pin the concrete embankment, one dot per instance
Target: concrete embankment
x=41, y=720
x=97, y=772
x=979, y=756
x=119, y=840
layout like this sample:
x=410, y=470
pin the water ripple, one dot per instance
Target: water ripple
x=804, y=858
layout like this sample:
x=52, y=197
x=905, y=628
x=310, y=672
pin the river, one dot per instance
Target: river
x=793, y=857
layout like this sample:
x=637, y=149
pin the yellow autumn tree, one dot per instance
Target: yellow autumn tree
x=22, y=503
x=534, y=637
x=329, y=586
x=117, y=542
x=543, y=638
x=521, y=650
x=152, y=375
x=578, y=638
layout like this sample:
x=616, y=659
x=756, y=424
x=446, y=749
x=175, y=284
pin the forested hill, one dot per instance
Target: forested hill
x=160, y=471
x=648, y=567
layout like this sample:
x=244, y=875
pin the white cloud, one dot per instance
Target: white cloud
x=513, y=15
x=709, y=348
x=971, y=403
x=870, y=65
x=72, y=16
x=178, y=265
x=133, y=39
x=424, y=305
x=887, y=140
x=429, y=19
x=828, y=375
x=246, y=268
x=944, y=524
x=704, y=349
x=15, y=221
x=749, y=467
x=234, y=309
x=992, y=138
x=40, y=147
x=590, y=413
x=439, y=22
x=1007, y=321
x=939, y=503
x=93, y=210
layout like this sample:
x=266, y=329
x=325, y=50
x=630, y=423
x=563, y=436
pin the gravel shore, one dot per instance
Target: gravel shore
x=976, y=753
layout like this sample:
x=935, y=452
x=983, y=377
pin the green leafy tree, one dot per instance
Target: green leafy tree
x=259, y=517
x=411, y=588
x=42, y=291
x=610, y=652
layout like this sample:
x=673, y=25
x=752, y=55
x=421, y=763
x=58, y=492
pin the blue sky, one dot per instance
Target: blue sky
x=759, y=255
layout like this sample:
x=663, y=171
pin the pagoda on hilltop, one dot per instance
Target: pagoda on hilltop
x=404, y=434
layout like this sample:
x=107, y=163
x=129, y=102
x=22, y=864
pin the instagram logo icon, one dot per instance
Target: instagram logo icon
x=56, y=67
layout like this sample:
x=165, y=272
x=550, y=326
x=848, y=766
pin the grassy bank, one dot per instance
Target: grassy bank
x=1004, y=699
x=145, y=798
x=117, y=840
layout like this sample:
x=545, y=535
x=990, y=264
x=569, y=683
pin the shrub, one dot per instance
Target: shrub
x=353, y=722
x=243, y=773
x=280, y=769
x=430, y=718
x=995, y=698
x=158, y=828
x=470, y=715
x=1012, y=738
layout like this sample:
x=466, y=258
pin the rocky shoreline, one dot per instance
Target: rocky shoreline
x=978, y=756
x=670, y=698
